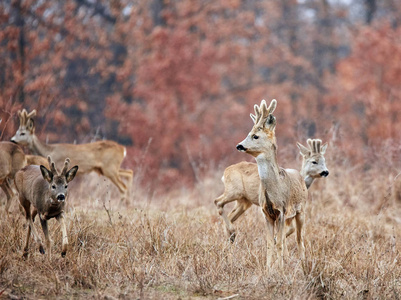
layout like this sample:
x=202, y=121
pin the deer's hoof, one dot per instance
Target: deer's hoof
x=25, y=255
x=41, y=249
x=63, y=253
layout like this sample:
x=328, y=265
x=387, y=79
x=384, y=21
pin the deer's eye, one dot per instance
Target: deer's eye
x=22, y=133
x=66, y=186
x=53, y=187
x=255, y=136
x=314, y=162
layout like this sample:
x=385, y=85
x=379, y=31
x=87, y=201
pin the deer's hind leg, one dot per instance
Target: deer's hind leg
x=240, y=207
x=299, y=220
x=31, y=229
x=115, y=178
x=220, y=202
x=6, y=187
x=129, y=174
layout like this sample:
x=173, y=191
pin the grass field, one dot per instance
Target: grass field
x=174, y=246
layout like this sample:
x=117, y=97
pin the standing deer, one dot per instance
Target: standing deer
x=103, y=157
x=313, y=162
x=282, y=192
x=46, y=190
x=241, y=182
x=12, y=159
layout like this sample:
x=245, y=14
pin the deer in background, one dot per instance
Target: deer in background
x=282, y=192
x=46, y=190
x=313, y=161
x=12, y=159
x=241, y=182
x=103, y=157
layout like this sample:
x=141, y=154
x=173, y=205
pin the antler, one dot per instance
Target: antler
x=31, y=114
x=314, y=145
x=66, y=163
x=24, y=116
x=263, y=112
x=52, y=165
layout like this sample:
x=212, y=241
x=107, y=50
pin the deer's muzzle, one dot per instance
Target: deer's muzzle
x=324, y=173
x=241, y=148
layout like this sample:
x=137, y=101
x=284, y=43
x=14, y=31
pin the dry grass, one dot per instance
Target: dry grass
x=174, y=247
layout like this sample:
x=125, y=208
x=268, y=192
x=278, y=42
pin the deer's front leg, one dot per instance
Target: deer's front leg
x=280, y=238
x=45, y=229
x=61, y=220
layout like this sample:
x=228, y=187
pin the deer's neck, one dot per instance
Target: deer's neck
x=40, y=148
x=308, y=179
x=269, y=173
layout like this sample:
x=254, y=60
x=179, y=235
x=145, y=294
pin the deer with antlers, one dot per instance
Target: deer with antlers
x=282, y=192
x=103, y=157
x=241, y=182
x=46, y=190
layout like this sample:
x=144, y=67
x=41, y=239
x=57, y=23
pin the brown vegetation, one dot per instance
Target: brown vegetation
x=171, y=246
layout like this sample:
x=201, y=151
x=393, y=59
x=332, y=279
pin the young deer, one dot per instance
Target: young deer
x=103, y=157
x=282, y=192
x=241, y=182
x=46, y=190
x=12, y=159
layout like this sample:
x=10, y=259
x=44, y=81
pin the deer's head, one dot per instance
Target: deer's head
x=262, y=138
x=314, y=163
x=58, y=183
x=26, y=129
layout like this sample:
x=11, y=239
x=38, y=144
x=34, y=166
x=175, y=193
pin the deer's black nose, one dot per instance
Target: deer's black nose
x=324, y=173
x=60, y=197
x=241, y=148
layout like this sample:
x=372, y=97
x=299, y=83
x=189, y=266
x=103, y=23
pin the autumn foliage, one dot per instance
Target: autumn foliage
x=175, y=81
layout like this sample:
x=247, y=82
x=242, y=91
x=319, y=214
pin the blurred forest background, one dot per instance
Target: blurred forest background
x=175, y=81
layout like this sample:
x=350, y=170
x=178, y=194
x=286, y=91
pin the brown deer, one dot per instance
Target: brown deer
x=46, y=190
x=241, y=182
x=282, y=192
x=103, y=157
x=36, y=160
x=12, y=159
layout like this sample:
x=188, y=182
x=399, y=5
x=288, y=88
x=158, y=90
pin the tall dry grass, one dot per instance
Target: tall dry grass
x=174, y=246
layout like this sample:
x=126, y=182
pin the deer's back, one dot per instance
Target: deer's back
x=31, y=186
x=91, y=156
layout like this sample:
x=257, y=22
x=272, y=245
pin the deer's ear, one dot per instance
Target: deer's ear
x=303, y=150
x=270, y=122
x=47, y=175
x=30, y=125
x=71, y=173
x=323, y=149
